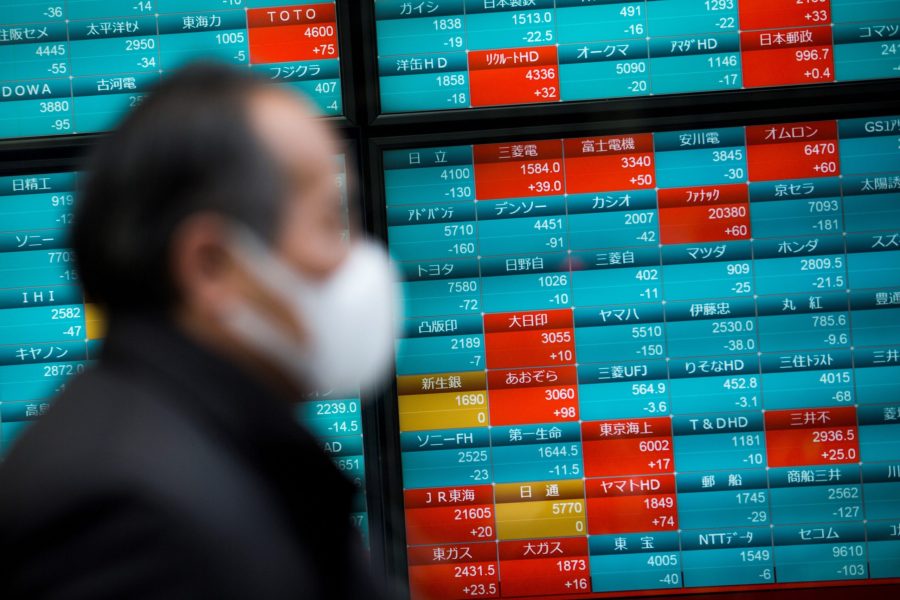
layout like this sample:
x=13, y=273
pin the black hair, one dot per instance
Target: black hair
x=188, y=147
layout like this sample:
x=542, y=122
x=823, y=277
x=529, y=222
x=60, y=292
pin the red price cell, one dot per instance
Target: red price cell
x=611, y=163
x=453, y=571
x=513, y=76
x=545, y=567
x=289, y=33
x=804, y=55
x=519, y=169
x=792, y=151
x=627, y=447
x=769, y=14
x=533, y=395
x=814, y=436
x=531, y=339
x=459, y=514
x=704, y=214
x=631, y=504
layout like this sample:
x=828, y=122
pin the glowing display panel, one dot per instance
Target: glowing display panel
x=48, y=333
x=660, y=361
x=453, y=54
x=77, y=66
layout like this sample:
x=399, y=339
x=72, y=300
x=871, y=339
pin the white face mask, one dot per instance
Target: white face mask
x=350, y=319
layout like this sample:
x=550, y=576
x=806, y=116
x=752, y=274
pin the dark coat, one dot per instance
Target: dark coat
x=165, y=471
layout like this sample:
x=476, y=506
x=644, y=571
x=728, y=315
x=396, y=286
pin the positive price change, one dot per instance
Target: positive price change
x=451, y=54
x=48, y=333
x=654, y=361
x=75, y=67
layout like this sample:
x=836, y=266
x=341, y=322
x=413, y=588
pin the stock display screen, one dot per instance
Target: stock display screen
x=49, y=334
x=660, y=361
x=454, y=54
x=77, y=66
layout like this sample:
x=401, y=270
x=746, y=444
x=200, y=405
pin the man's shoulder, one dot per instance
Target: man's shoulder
x=108, y=431
x=112, y=446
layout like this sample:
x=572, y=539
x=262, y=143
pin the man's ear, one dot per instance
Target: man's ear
x=203, y=271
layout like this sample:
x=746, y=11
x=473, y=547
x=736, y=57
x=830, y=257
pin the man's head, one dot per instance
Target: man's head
x=210, y=148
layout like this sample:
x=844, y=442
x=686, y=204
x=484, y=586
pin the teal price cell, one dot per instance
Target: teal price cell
x=719, y=557
x=871, y=203
x=867, y=50
x=797, y=265
x=42, y=324
x=854, y=11
x=708, y=442
x=522, y=226
x=876, y=316
x=613, y=220
x=101, y=101
x=616, y=276
x=439, y=240
x=530, y=282
x=438, y=28
x=36, y=268
x=212, y=35
x=881, y=488
x=723, y=499
x=536, y=452
x=727, y=328
x=877, y=373
x=105, y=9
x=622, y=390
x=873, y=260
x=443, y=458
x=424, y=82
x=705, y=271
x=820, y=552
x=868, y=145
x=444, y=297
x=816, y=495
x=695, y=64
x=319, y=416
x=40, y=296
x=879, y=426
x=507, y=26
x=705, y=157
x=613, y=69
x=635, y=561
x=318, y=80
x=28, y=353
x=446, y=353
x=112, y=47
x=782, y=209
x=610, y=333
x=715, y=384
x=682, y=17
x=25, y=112
x=43, y=53
x=36, y=382
x=819, y=378
x=429, y=176
x=884, y=548
x=577, y=21
x=29, y=11
x=803, y=322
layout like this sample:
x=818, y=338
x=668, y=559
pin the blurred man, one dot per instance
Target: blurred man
x=210, y=228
